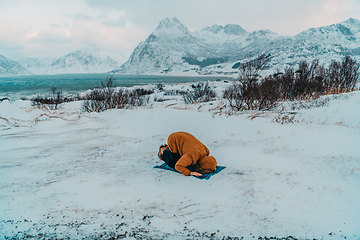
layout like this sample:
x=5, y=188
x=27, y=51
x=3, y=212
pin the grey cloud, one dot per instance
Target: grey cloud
x=51, y=38
x=120, y=22
x=281, y=16
x=106, y=4
x=80, y=16
x=54, y=25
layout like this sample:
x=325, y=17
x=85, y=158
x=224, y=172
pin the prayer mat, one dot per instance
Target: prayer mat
x=192, y=168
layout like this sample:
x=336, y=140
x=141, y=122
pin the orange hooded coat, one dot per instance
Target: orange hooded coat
x=192, y=151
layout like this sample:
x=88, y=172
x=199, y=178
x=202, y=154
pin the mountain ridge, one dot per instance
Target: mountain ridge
x=173, y=48
x=217, y=49
x=89, y=59
x=9, y=67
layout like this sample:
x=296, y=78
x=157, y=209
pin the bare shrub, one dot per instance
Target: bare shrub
x=158, y=99
x=234, y=95
x=173, y=92
x=309, y=81
x=269, y=93
x=99, y=100
x=107, y=97
x=143, y=92
x=5, y=98
x=52, y=100
x=285, y=118
x=342, y=77
x=249, y=71
x=201, y=93
x=253, y=96
x=109, y=83
x=249, y=93
x=160, y=86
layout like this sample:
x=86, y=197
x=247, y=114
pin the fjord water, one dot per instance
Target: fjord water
x=17, y=87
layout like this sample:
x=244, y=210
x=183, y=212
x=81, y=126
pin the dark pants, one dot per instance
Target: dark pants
x=170, y=158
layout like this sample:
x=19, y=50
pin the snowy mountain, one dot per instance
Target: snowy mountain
x=89, y=59
x=9, y=67
x=219, y=49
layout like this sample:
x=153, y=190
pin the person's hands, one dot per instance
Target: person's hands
x=196, y=174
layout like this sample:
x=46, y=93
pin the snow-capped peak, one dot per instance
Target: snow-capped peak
x=89, y=59
x=352, y=23
x=171, y=25
x=93, y=50
x=229, y=29
x=89, y=49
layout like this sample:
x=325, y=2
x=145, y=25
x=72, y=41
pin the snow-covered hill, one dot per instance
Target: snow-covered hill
x=89, y=59
x=9, y=67
x=172, y=48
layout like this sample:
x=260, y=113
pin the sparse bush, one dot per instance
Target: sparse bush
x=249, y=71
x=52, y=100
x=249, y=93
x=252, y=96
x=173, y=92
x=269, y=94
x=285, y=118
x=308, y=81
x=137, y=97
x=143, y=92
x=109, y=83
x=200, y=93
x=160, y=86
x=342, y=77
x=99, y=100
x=234, y=94
x=157, y=99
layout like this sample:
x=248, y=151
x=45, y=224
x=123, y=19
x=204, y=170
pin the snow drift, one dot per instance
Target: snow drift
x=68, y=173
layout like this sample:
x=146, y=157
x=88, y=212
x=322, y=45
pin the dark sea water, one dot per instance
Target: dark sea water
x=17, y=87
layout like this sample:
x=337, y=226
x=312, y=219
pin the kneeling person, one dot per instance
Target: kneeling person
x=183, y=150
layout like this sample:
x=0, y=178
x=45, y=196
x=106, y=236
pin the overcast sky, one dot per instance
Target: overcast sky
x=56, y=27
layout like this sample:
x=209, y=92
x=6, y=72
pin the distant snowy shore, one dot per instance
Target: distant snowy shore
x=70, y=174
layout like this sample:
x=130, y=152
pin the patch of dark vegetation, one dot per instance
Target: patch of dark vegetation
x=97, y=100
x=277, y=238
x=158, y=99
x=167, y=70
x=205, y=62
x=142, y=91
x=5, y=98
x=173, y=92
x=108, y=97
x=308, y=81
x=160, y=86
x=200, y=93
x=52, y=100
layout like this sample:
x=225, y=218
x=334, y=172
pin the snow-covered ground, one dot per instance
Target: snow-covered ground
x=68, y=173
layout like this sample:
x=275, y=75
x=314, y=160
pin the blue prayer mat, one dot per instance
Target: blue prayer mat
x=192, y=168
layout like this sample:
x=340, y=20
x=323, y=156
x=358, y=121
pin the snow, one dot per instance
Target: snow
x=68, y=173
